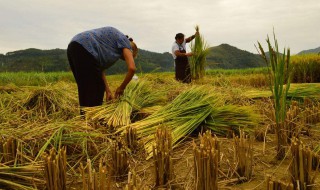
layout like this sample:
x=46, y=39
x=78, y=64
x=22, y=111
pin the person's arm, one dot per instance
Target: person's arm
x=107, y=89
x=179, y=54
x=192, y=37
x=128, y=57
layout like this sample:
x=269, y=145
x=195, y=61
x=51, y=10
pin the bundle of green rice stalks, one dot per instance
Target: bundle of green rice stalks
x=200, y=50
x=58, y=101
x=186, y=113
x=182, y=116
x=138, y=96
x=230, y=118
x=23, y=177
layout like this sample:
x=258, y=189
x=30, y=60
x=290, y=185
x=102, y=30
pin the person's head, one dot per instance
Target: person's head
x=133, y=47
x=179, y=38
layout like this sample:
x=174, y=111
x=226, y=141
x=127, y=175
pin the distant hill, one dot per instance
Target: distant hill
x=228, y=57
x=222, y=56
x=56, y=60
x=315, y=50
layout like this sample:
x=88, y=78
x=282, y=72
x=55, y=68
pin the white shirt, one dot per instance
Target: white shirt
x=175, y=47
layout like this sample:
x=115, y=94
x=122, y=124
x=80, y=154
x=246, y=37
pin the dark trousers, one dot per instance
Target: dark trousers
x=87, y=74
x=182, y=69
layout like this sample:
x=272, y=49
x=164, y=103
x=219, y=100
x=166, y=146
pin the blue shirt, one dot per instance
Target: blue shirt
x=105, y=44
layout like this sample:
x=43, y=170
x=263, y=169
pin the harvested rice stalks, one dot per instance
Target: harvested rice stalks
x=243, y=155
x=273, y=184
x=301, y=165
x=162, y=156
x=93, y=180
x=119, y=162
x=55, y=169
x=206, y=162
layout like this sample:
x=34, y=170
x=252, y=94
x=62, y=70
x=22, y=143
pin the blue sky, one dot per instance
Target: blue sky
x=49, y=24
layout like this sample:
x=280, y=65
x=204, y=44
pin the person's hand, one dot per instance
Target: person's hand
x=197, y=33
x=189, y=54
x=109, y=96
x=119, y=92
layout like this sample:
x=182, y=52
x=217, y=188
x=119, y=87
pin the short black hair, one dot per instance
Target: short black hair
x=179, y=36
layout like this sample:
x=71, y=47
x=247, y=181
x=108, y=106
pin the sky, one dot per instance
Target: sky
x=50, y=24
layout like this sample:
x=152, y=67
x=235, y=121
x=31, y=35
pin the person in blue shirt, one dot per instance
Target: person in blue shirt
x=90, y=53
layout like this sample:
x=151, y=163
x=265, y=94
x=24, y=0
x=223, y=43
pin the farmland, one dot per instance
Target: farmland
x=153, y=135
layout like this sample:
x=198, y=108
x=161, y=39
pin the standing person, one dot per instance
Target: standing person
x=90, y=53
x=180, y=56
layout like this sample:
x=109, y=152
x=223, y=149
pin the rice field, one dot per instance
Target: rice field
x=161, y=134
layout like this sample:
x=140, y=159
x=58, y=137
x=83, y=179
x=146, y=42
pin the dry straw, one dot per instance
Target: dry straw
x=119, y=161
x=243, y=155
x=301, y=166
x=162, y=157
x=95, y=180
x=206, y=162
x=273, y=184
x=56, y=169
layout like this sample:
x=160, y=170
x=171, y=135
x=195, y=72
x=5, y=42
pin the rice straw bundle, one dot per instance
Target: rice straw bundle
x=92, y=179
x=22, y=177
x=243, y=155
x=162, y=156
x=56, y=170
x=182, y=116
x=273, y=184
x=230, y=118
x=206, y=162
x=301, y=165
x=137, y=96
x=198, y=61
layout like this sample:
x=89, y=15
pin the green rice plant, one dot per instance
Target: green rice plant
x=280, y=71
x=198, y=61
x=206, y=162
x=306, y=68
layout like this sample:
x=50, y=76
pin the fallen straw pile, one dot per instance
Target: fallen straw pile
x=162, y=156
x=57, y=101
x=23, y=177
x=137, y=96
x=206, y=162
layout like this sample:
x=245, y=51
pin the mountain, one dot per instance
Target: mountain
x=222, y=56
x=315, y=50
x=229, y=57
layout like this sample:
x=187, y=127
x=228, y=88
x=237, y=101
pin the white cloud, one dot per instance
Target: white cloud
x=153, y=24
